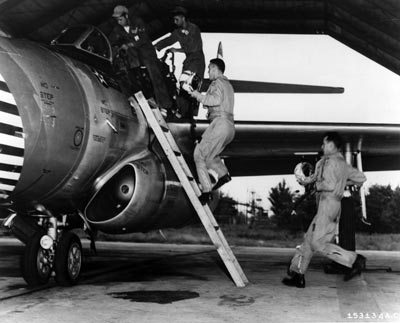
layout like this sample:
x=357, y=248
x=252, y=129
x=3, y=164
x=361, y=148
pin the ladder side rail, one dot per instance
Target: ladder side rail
x=203, y=211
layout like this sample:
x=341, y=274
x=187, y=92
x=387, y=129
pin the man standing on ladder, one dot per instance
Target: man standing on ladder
x=219, y=101
x=130, y=36
x=189, y=37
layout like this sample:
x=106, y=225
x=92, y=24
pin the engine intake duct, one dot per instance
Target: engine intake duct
x=127, y=198
x=114, y=196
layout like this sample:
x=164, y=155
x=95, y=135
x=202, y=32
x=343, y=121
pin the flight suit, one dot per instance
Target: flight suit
x=142, y=52
x=219, y=100
x=331, y=177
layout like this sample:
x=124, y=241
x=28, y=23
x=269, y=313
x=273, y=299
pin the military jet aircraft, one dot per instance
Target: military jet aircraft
x=75, y=154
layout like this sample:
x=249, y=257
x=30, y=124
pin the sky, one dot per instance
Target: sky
x=371, y=91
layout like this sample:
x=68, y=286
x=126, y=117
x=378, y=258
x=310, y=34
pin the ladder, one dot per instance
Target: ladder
x=160, y=128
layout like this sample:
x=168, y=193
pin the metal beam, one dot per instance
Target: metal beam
x=362, y=46
x=376, y=14
x=366, y=31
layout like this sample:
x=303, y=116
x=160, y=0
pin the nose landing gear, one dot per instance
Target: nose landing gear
x=57, y=253
x=65, y=260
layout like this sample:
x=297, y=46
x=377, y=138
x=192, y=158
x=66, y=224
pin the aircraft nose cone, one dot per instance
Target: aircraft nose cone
x=12, y=143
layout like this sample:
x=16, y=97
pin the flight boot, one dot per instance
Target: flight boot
x=356, y=269
x=205, y=198
x=295, y=280
x=222, y=181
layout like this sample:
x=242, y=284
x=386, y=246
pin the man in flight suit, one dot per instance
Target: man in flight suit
x=130, y=35
x=331, y=177
x=219, y=101
x=189, y=37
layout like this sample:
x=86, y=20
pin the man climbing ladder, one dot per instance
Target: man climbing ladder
x=171, y=150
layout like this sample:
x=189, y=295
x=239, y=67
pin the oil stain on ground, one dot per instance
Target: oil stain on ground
x=156, y=296
x=236, y=300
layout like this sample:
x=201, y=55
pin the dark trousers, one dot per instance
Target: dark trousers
x=160, y=88
x=135, y=80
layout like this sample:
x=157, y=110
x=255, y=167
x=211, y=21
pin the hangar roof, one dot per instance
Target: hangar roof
x=371, y=27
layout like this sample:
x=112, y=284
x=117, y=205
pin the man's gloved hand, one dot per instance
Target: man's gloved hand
x=187, y=88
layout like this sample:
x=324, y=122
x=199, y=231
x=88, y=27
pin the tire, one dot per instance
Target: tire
x=68, y=260
x=35, y=265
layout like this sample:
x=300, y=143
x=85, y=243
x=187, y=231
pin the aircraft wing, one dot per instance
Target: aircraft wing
x=271, y=148
x=241, y=86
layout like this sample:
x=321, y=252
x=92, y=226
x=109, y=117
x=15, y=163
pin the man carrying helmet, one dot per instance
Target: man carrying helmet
x=189, y=37
x=331, y=177
x=129, y=38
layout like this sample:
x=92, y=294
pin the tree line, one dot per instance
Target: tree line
x=382, y=202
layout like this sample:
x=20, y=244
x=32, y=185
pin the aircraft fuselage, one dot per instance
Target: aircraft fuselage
x=70, y=130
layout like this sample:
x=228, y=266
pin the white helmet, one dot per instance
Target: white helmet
x=303, y=173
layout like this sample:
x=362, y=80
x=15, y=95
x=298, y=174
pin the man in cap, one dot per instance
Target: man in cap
x=130, y=37
x=189, y=37
x=219, y=101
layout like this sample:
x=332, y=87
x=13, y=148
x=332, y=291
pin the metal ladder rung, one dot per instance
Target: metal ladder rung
x=178, y=163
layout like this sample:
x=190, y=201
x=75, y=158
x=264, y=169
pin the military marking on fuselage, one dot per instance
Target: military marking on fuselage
x=142, y=166
x=46, y=85
x=98, y=138
x=47, y=98
x=106, y=111
x=113, y=113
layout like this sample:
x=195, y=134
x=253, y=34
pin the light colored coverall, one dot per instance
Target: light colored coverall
x=219, y=100
x=332, y=175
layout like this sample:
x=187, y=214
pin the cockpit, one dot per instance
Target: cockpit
x=87, y=44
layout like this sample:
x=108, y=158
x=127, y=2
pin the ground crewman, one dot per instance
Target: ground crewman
x=189, y=37
x=130, y=35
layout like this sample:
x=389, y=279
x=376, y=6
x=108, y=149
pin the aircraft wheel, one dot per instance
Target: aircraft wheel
x=68, y=260
x=36, y=264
